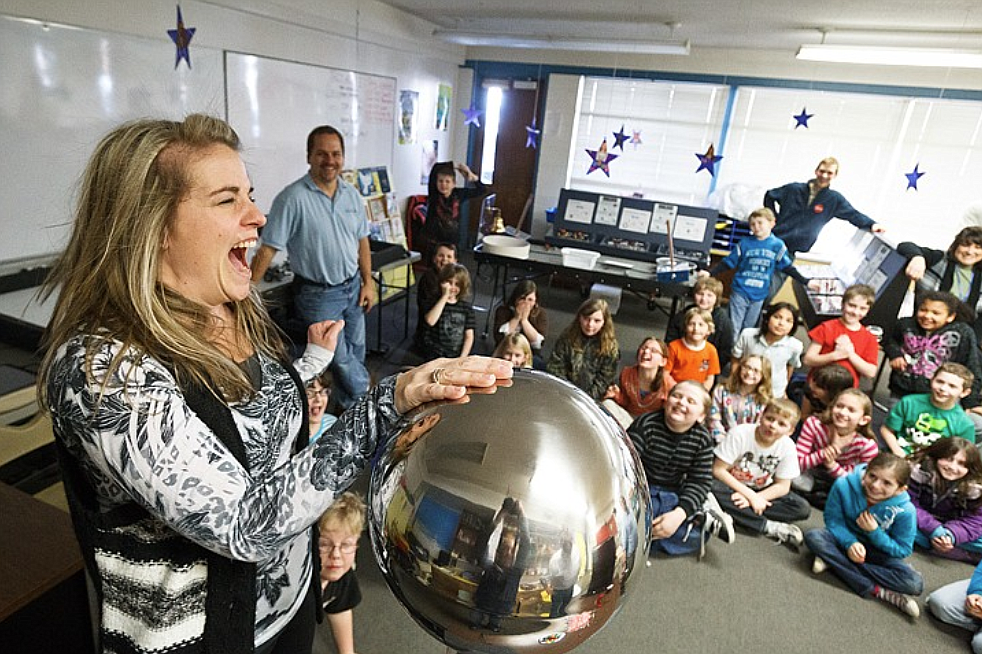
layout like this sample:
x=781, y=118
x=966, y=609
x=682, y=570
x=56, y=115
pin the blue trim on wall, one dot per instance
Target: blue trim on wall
x=508, y=70
x=724, y=133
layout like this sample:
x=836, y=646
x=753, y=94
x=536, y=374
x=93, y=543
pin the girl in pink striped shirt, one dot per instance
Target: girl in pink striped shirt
x=834, y=442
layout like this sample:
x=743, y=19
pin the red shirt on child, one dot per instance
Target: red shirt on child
x=863, y=342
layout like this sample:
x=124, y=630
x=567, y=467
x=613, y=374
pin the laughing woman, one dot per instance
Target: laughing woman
x=180, y=426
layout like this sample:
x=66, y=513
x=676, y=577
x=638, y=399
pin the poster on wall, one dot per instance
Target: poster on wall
x=408, y=105
x=443, y=98
x=431, y=150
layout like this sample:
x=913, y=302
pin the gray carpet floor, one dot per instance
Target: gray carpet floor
x=749, y=596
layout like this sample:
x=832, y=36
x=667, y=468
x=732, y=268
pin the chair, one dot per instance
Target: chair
x=27, y=459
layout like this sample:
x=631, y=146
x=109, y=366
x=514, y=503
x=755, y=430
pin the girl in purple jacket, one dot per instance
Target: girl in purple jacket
x=946, y=489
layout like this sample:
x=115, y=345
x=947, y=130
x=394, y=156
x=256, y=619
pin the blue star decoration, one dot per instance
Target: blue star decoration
x=619, y=138
x=182, y=39
x=532, y=135
x=636, y=139
x=601, y=159
x=472, y=116
x=912, y=177
x=801, y=120
x=709, y=160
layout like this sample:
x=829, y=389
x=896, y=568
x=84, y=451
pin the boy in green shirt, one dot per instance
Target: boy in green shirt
x=918, y=420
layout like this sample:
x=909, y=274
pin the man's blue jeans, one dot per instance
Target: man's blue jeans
x=878, y=570
x=315, y=303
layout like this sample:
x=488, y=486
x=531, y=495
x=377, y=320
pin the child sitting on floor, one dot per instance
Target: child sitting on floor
x=821, y=387
x=918, y=420
x=846, y=340
x=340, y=528
x=318, y=400
x=707, y=293
x=919, y=344
x=448, y=326
x=586, y=354
x=742, y=398
x=693, y=357
x=643, y=387
x=775, y=340
x=960, y=604
x=515, y=347
x=754, y=467
x=946, y=489
x=870, y=525
x=833, y=443
x=676, y=452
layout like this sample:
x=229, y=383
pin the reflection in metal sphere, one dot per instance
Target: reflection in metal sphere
x=512, y=523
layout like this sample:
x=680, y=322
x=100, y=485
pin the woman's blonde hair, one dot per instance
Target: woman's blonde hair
x=606, y=337
x=107, y=279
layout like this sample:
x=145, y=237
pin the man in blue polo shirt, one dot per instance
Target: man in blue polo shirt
x=320, y=221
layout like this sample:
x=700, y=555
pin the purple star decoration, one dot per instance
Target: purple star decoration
x=472, y=116
x=709, y=160
x=912, y=177
x=532, y=135
x=801, y=120
x=619, y=138
x=182, y=39
x=636, y=139
x=601, y=159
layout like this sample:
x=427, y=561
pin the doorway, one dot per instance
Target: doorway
x=514, y=163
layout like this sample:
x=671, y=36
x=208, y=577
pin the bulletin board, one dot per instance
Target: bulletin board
x=631, y=227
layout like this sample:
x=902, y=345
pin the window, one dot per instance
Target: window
x=492, y=115
x=877, y=140
x=674, y=119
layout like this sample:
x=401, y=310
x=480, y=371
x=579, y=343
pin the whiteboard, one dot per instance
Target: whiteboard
x=273, y=104
x=61, y=89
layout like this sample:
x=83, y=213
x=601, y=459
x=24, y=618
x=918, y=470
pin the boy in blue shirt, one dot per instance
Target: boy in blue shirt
x=755, y=258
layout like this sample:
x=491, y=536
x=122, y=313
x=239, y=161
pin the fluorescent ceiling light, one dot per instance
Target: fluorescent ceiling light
x=887, y=56
x=548, y=42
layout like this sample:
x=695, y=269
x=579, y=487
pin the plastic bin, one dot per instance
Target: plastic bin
x=577, y=258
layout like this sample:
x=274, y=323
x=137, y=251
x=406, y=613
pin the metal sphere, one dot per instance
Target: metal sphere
x=511, y=523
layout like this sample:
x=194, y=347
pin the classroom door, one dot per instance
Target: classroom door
x=514, y=164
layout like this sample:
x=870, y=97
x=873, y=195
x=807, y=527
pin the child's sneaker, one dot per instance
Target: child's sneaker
x=784, y=533
x=714, y=520
x=819, y=566
x=905, y=603
x=718, y=522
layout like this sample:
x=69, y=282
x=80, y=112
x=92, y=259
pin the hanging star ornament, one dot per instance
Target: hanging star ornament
x=472, y=116
x=801, y=120
x=636, y=139
x=709, y=160
x=912, y=177
x=619, y=139
x=532, y=135
x=182, y=39
x=601, y=159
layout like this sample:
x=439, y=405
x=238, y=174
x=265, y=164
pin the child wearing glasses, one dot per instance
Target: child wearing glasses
x=318, y=400
x=340, y=528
